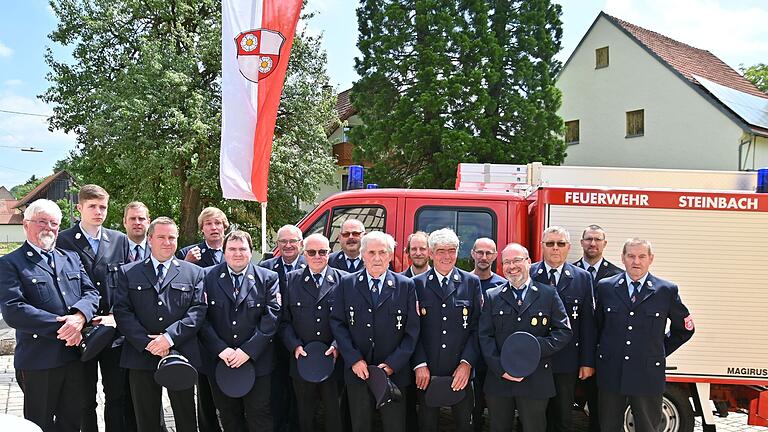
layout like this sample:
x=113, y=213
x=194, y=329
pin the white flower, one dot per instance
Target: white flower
x=249, y=42
x=265, y=65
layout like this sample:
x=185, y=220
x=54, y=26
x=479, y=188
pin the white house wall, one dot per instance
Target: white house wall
x=12, y=234
x=682, y=129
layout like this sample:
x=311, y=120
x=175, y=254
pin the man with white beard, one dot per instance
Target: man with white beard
x=46, y=295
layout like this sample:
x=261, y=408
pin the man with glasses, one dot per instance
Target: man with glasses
x=449, y=306
x=307, y=304
x=290, y=241
x=242, y=321
x=521, y=304
x=348, y=258
x=102, y=251
x=633, y=310
x=577, y=360
x=484, y=254
x=47, y=296
x=418, y=252
x=593, y=244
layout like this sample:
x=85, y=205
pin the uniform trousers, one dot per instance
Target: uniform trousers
x=646, y=410
x=284, y=412
x=55, y=392
x=501, y=413
x=250, y=413
x=590, y=389
x=207, y=419
x=478, y=412
x=308, y=396
x=362, y=407
x=429, y=417
x=411, y=418
x=560, y=408
x=148, y=403
x=118, y=412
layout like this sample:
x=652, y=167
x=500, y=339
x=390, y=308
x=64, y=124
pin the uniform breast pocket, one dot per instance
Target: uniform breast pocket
x=38, y=289
x=502, y=316
x=73, y=279
x=539, y=321
x=656, y=320
x=180, y=294
x=112, y=269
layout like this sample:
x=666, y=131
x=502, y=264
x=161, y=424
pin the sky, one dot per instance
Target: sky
x=733, y=30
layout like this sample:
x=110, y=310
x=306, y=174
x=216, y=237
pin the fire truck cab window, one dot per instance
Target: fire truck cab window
x=468, y=224
x=318, y=226
x=372, y=217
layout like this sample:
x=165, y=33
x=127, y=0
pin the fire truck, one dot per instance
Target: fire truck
x=707, y=228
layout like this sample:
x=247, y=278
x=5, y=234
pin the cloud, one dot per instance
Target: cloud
x=733, y=31
x=5, y=51
x=13, y=82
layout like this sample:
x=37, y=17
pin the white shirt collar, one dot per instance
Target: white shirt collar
x=88, y=236
x=588, y=265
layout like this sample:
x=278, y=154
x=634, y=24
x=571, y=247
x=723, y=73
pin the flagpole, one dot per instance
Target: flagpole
x=263, y=228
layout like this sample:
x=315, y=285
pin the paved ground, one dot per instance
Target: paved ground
x=11, y=401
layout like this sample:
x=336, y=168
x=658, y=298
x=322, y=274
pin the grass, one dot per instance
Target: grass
x=8, y=247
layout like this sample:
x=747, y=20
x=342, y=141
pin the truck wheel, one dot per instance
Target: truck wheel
x=676, y=412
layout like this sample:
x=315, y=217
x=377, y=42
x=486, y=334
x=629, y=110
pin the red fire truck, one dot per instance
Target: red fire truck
x=707, y=230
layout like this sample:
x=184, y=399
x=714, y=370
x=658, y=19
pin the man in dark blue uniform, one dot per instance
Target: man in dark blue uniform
x=449, y=306
x=484, y=254
x=593, y=242
x=577, y=359
x=308, y=300
x=160, y=306
x=243, y=317
x=375, y=323
x=213, y=223
x=417, y=249
x=632, y=313
x=102, y=251
x=520, y=305
x=46, y=295
x=136, y=222
x=348, y=258
x=290, y=241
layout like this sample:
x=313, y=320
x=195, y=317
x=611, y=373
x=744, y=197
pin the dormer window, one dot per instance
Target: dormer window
x=601, y=57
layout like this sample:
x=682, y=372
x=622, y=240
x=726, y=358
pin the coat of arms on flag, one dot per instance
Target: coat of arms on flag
x=258, y=52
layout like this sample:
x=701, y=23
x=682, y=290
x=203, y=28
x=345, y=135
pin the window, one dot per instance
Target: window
x=635, y=123
x=344, y=182
x=572, y=132
x=345, y=133
x=373, y=219
x=469, y=225
x=601, y=57
x=318, y=226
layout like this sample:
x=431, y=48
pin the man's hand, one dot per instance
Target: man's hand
x=461, y=376
x=360, y=368
x=69, y=332
x=227, y=354
x=386, y=368
x=299, y=352
x=159, y=345
x=586, y=372
x=332, y=351
x=422, y=377
x=107, y=320
x=240, y=358
x=193, y=255
x=508, y=377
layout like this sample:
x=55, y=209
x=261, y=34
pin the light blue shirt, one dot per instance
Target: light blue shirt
x=166, y=266
x=525, y=287
x=322, y=274
x=380, y=278
x=629, y=283
x=142, y=248
x=93, y=241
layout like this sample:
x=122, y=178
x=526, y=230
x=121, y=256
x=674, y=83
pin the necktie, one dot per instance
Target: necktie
x=552, y=278
x=317, y=277
x=288, y=268
x=375, y=291
x=137, y=253
x=444, y=285
x=236, y=282
x=519, y=295
x=216, y=255
x=592, y=271
x=49, y=258
x=635, y=291
x=351, y=264
x=160, y=274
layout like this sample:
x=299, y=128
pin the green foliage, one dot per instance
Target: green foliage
x=449, y=81
x=143, y=96
x=758, y=74
x=19, y=191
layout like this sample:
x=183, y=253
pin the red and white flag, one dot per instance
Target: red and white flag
x=257, y=36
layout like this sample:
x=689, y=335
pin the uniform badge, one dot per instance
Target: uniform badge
x=465, y=312
x=534, y=321
x=399, y=324
x=78, y=235
x=303, y=265
x=390, y=283
x=456, y=277
x=650, y=284
x=360, y=278
x=534, y=288
x=330, y=278
x=29, y=253
x=544, y=321
x=431, y=277
x=567, y=273
x=176, y=263
x=688, y=323
x=202, y=250
x=306, y=278
x=540, y=271
x=423, y=311
x=221, y=276
x=605, y=264
x=351, y=316
x=250, y=276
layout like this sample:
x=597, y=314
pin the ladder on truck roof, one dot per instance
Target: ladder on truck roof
x=526, y=178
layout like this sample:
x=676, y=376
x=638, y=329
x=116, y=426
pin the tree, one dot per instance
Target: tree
x=449, y=81
x=143, y=96
x=19, y=191
x=758, y=74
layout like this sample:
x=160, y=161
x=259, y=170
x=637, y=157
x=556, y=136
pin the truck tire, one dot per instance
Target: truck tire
x=676, y=412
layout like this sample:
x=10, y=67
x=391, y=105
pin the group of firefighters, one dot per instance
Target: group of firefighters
x=434, y=324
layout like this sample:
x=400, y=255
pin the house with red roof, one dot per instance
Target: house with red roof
x=632, y=97
x=11, y=229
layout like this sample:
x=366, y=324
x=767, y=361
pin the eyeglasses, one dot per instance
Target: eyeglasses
x=514, y=261
x=351, y=233
x=313, y=252
x=560, y=243
x=592, y=239
x=484, y=253
x=45, y=223
x=287, y=241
